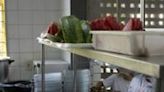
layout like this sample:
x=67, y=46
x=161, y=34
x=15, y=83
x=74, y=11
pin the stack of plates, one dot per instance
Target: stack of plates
x=53, y=82
x=82, y=81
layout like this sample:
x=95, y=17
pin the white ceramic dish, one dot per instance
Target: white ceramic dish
x=64, y=45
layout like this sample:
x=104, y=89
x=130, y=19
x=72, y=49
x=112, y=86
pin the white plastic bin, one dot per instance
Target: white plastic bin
x=136, y=43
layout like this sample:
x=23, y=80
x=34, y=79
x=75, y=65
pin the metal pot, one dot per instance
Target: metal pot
x=4, y=67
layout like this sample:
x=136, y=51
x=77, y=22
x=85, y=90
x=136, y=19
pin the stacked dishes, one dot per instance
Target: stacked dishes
x=53, y=82
x=82, y=81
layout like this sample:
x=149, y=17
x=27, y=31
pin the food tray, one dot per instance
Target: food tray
x=136, y=43
x=64, y=45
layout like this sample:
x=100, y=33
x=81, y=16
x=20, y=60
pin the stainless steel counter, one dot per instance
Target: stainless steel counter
x=152, y=66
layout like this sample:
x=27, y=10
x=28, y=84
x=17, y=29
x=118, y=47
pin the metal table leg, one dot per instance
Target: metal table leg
x=160, y=85
x=43, y=68
x=74, y=72
x=142, y=12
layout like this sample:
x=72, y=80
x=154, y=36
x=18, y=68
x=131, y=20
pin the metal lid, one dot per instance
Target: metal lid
x=6, y=59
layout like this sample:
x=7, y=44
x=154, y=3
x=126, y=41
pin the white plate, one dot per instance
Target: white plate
x=64, y=45
x=73, y=45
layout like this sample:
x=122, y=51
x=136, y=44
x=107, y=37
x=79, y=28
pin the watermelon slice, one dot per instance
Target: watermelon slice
x=133, y=24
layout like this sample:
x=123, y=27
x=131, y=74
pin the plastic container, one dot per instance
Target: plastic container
x=135, y=43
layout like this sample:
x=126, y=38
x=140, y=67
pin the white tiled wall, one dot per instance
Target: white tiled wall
x=26, y=19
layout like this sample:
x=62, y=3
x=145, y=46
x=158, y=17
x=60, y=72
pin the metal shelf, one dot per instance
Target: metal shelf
x=152, y=66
